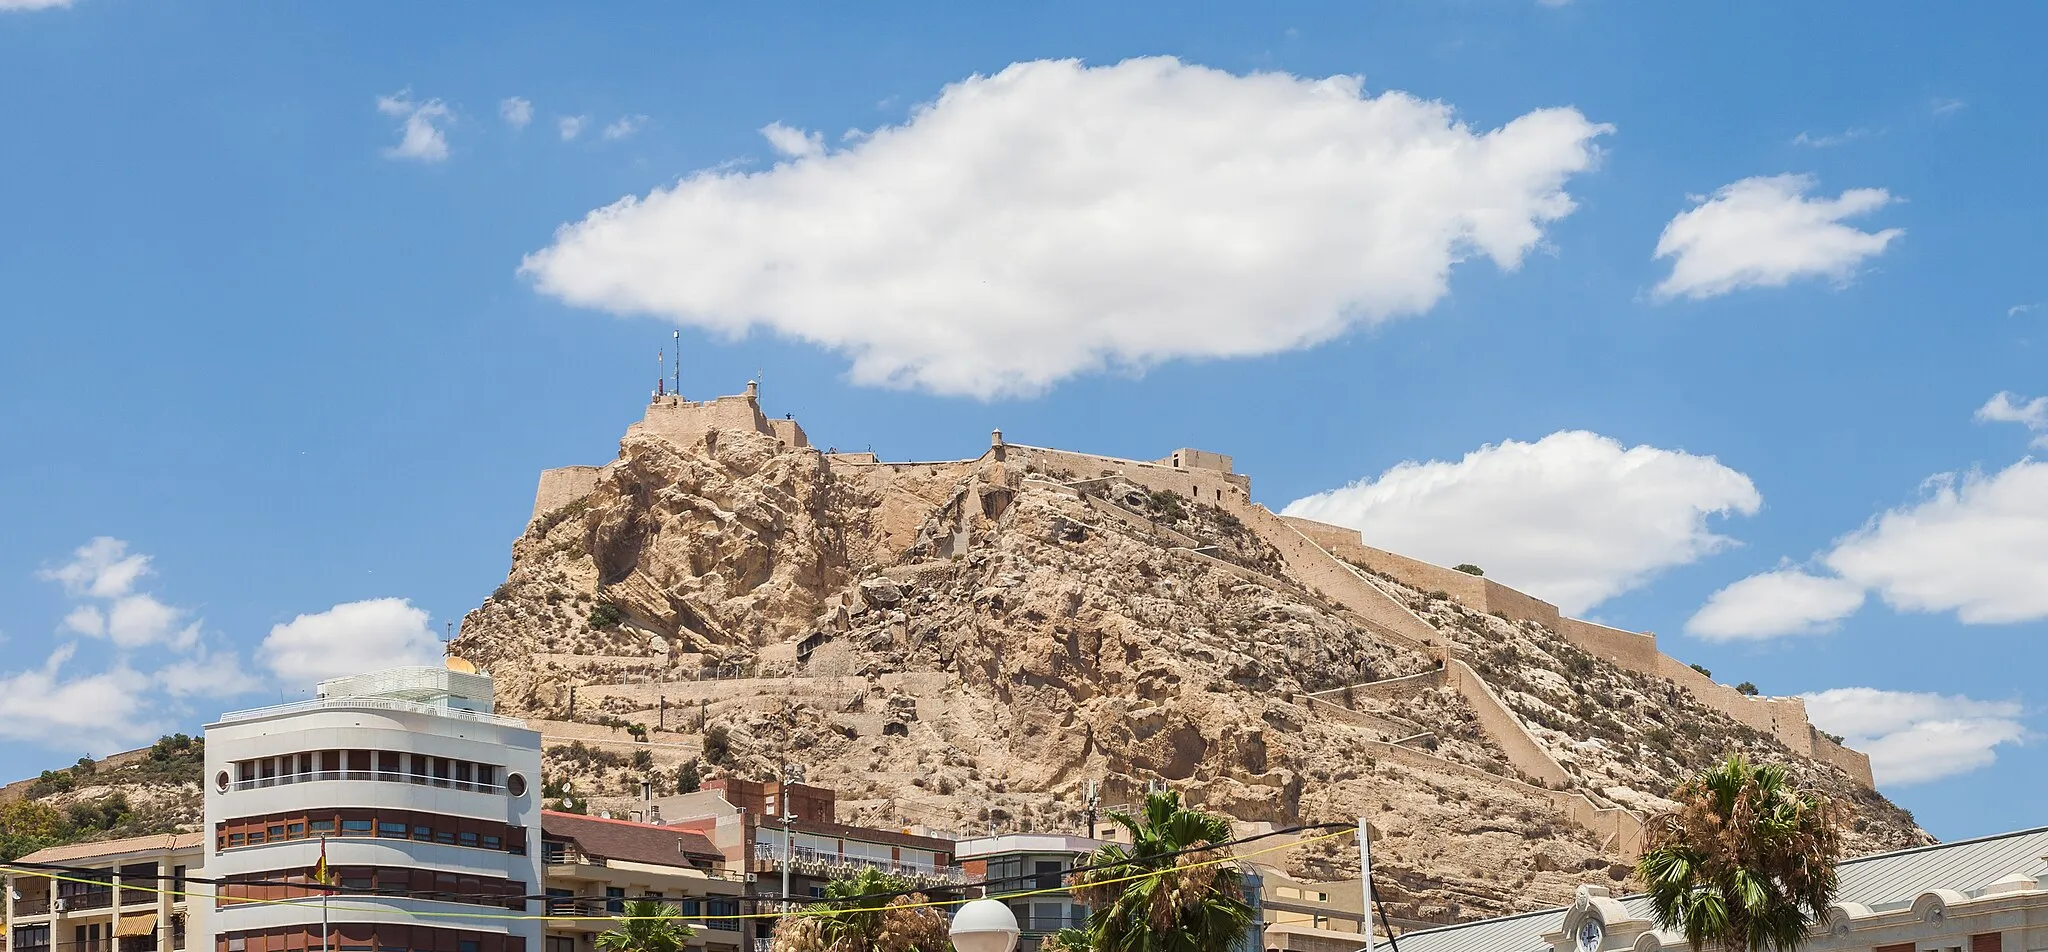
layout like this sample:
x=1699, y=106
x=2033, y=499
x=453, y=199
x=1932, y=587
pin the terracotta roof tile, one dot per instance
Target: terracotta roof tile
x=629, y=841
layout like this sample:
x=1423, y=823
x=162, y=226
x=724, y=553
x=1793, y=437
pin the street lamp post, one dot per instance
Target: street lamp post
x=984, y=925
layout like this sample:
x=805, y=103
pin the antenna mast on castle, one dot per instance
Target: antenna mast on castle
x=679, y=363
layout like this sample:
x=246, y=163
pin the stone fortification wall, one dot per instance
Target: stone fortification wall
x=561, y=486
x=1855, y=763
x=790, y=433
x=1783, y=718
x=1214, y=487
x=684, y=422
x=1618, y=829
x=1523, y=751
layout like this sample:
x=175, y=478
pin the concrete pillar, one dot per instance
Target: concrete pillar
x=114, y=925
x=163, y=904
x=59, y=920
x=7, y=937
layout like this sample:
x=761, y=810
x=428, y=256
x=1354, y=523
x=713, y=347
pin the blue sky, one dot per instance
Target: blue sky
x=279, y=352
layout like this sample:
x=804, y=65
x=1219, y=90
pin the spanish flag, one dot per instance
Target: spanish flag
x=320, y=873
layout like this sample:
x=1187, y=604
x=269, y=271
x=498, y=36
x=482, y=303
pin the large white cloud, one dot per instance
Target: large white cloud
x=1915, y=737
x=98, y=712
x=1574, y=518
x=1782, y=602
x=1765, y=232
x=1973, y=544
x=349, y=638
x=6, y=5
x=1056, y=218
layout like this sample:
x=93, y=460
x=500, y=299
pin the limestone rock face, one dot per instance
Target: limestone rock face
x=962, y=645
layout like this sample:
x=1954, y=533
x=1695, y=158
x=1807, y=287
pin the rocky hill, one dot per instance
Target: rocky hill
x=962, y=644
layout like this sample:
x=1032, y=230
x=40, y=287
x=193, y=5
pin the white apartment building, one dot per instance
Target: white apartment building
x=427, y=803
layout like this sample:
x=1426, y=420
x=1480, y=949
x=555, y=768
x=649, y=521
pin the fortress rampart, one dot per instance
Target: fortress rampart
x=1325, y=558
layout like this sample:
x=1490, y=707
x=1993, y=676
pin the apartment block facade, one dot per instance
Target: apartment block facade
x=113, y=896
x=425, y=804
x=595, y=866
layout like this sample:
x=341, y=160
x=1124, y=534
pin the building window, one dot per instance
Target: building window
x=390, y=829
x=561, y=943
x=322, y=827
x=614, y=899
x=720, y=913
x=356, y=828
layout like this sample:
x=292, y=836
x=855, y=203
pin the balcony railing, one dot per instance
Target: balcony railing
x=819, y=862
x=386, y=776
x=1050, y=924
x=370, y=703
x=97, y=899
x=31, y=907
x=599, y=906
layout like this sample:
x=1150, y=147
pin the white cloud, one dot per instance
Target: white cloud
x=1915, y=737
x=349, y=638
x=1765, y=232
x=2019, y=309
x=1975, y=545
x=209, y=675
x=1828, y=140
x=101, y=568
x=570, y=126
x=1943, y=107
x=159, y=659
x=792, y=142
x=517, y=112
x=1784, y=602
x=101, y=712
x=2008, y=407
x=422, y=138
x=622, y=127
x=1574, y=518
x=8, y=5
x=1054, y=219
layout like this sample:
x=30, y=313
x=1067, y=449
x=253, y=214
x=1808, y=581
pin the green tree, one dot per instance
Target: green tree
x=646, y=925
x=1747, y=860
x=870, y=911
x=1191, y=903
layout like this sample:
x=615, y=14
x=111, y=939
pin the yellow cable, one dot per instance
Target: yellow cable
x=936, y=903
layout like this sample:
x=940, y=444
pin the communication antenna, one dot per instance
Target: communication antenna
x=679, y=363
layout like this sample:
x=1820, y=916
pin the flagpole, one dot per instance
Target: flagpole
x=679, y=363
x=326, y=892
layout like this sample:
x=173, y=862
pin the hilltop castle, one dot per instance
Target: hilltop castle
x=1333, y=561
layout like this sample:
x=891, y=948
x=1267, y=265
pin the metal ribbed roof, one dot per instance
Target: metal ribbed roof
x=1884, y=881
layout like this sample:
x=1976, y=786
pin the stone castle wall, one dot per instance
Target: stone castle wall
x=561, y=486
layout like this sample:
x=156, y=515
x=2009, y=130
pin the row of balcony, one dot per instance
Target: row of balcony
x=564, y=855
x=599, y=907
x=102, y=899
x=386, y=776
x=821, y=863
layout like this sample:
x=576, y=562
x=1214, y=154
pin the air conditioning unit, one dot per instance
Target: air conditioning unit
x=59, y=905
x=753, y=878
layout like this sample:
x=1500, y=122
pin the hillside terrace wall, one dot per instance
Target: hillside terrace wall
x=1783, y=718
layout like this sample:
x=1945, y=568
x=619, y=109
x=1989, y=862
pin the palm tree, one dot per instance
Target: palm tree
x=870, y=911
x=1191, y=904
x=1746, y=861
x=647, y=925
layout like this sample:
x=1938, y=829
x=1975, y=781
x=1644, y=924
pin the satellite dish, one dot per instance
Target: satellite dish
x=459, y=665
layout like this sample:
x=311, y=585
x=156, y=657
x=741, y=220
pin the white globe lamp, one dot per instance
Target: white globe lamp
x=984, y=925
